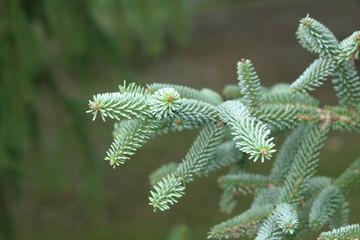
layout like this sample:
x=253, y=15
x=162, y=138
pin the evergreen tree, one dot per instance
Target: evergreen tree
x=292, y=200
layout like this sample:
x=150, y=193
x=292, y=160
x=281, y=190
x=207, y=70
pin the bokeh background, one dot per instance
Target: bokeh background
x=54, y=55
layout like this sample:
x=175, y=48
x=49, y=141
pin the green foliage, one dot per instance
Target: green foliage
x=324, y=207
x=119, y=106
x=241, y=224
x=286, y=218
x=193, y=164
x=349, y=232
x=249, y=83
x=291, y=200
x=317, y=38
x=318, y=71
x=251, y=136
x=304, y=164
x=165, y=102
x=244, y=183
x=133, y=134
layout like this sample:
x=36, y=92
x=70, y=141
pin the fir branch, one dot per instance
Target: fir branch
x=200, y=152
x=166, y=192
x=269, y=230
x=193, y=164
x=288, y=99
x=304, y=164
x=134, y=133
x=286, y=218
x=249, y=83
x=313, y=76
x=265, y=196
x=185, y=92
x=282, y=117
x=244, y=183
x=341, y=216
x=162, y=172
x=119, y=106
x=349, y=178
x=324, y=207
x=251, y=136
x=327, y=117
x=317, y=184
x=237, y=226
x=164, y=103
x=343, y=119
x=349, y=49
x=317, y=38
x=287, y=153
x=132, y=88
x=349, y=232
x=347, y=86
x=196, y=111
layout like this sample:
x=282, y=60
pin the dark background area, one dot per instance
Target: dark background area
x=54, y=182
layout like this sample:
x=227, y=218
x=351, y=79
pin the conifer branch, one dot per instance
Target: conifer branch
x=304, y=164
x=283, y=117
x=341, y=216
x=185, y=92
x=317, y=38
x=266, y=195
x=249, y=83
x=244, y=183
x=349, y=232
x=288, y=99
x=349, y=50
x=342, y=118
x=286, y=218
x=200, y=153
x=238, y=226
x=324, y=207
x=165, y=193
x=269, y=230
x=347, y=86
x=197, y=111
x=290, y=201
x=313, y=76
x=287, y=153
x=134, y=133
x=119, y=106
x=132, y=88
x=193, y=164
x=164, y=103
x=251, y=136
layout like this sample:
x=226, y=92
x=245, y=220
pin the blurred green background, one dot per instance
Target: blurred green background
x=56, y=54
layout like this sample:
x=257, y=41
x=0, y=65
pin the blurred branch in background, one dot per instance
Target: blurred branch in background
x=91, y=40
